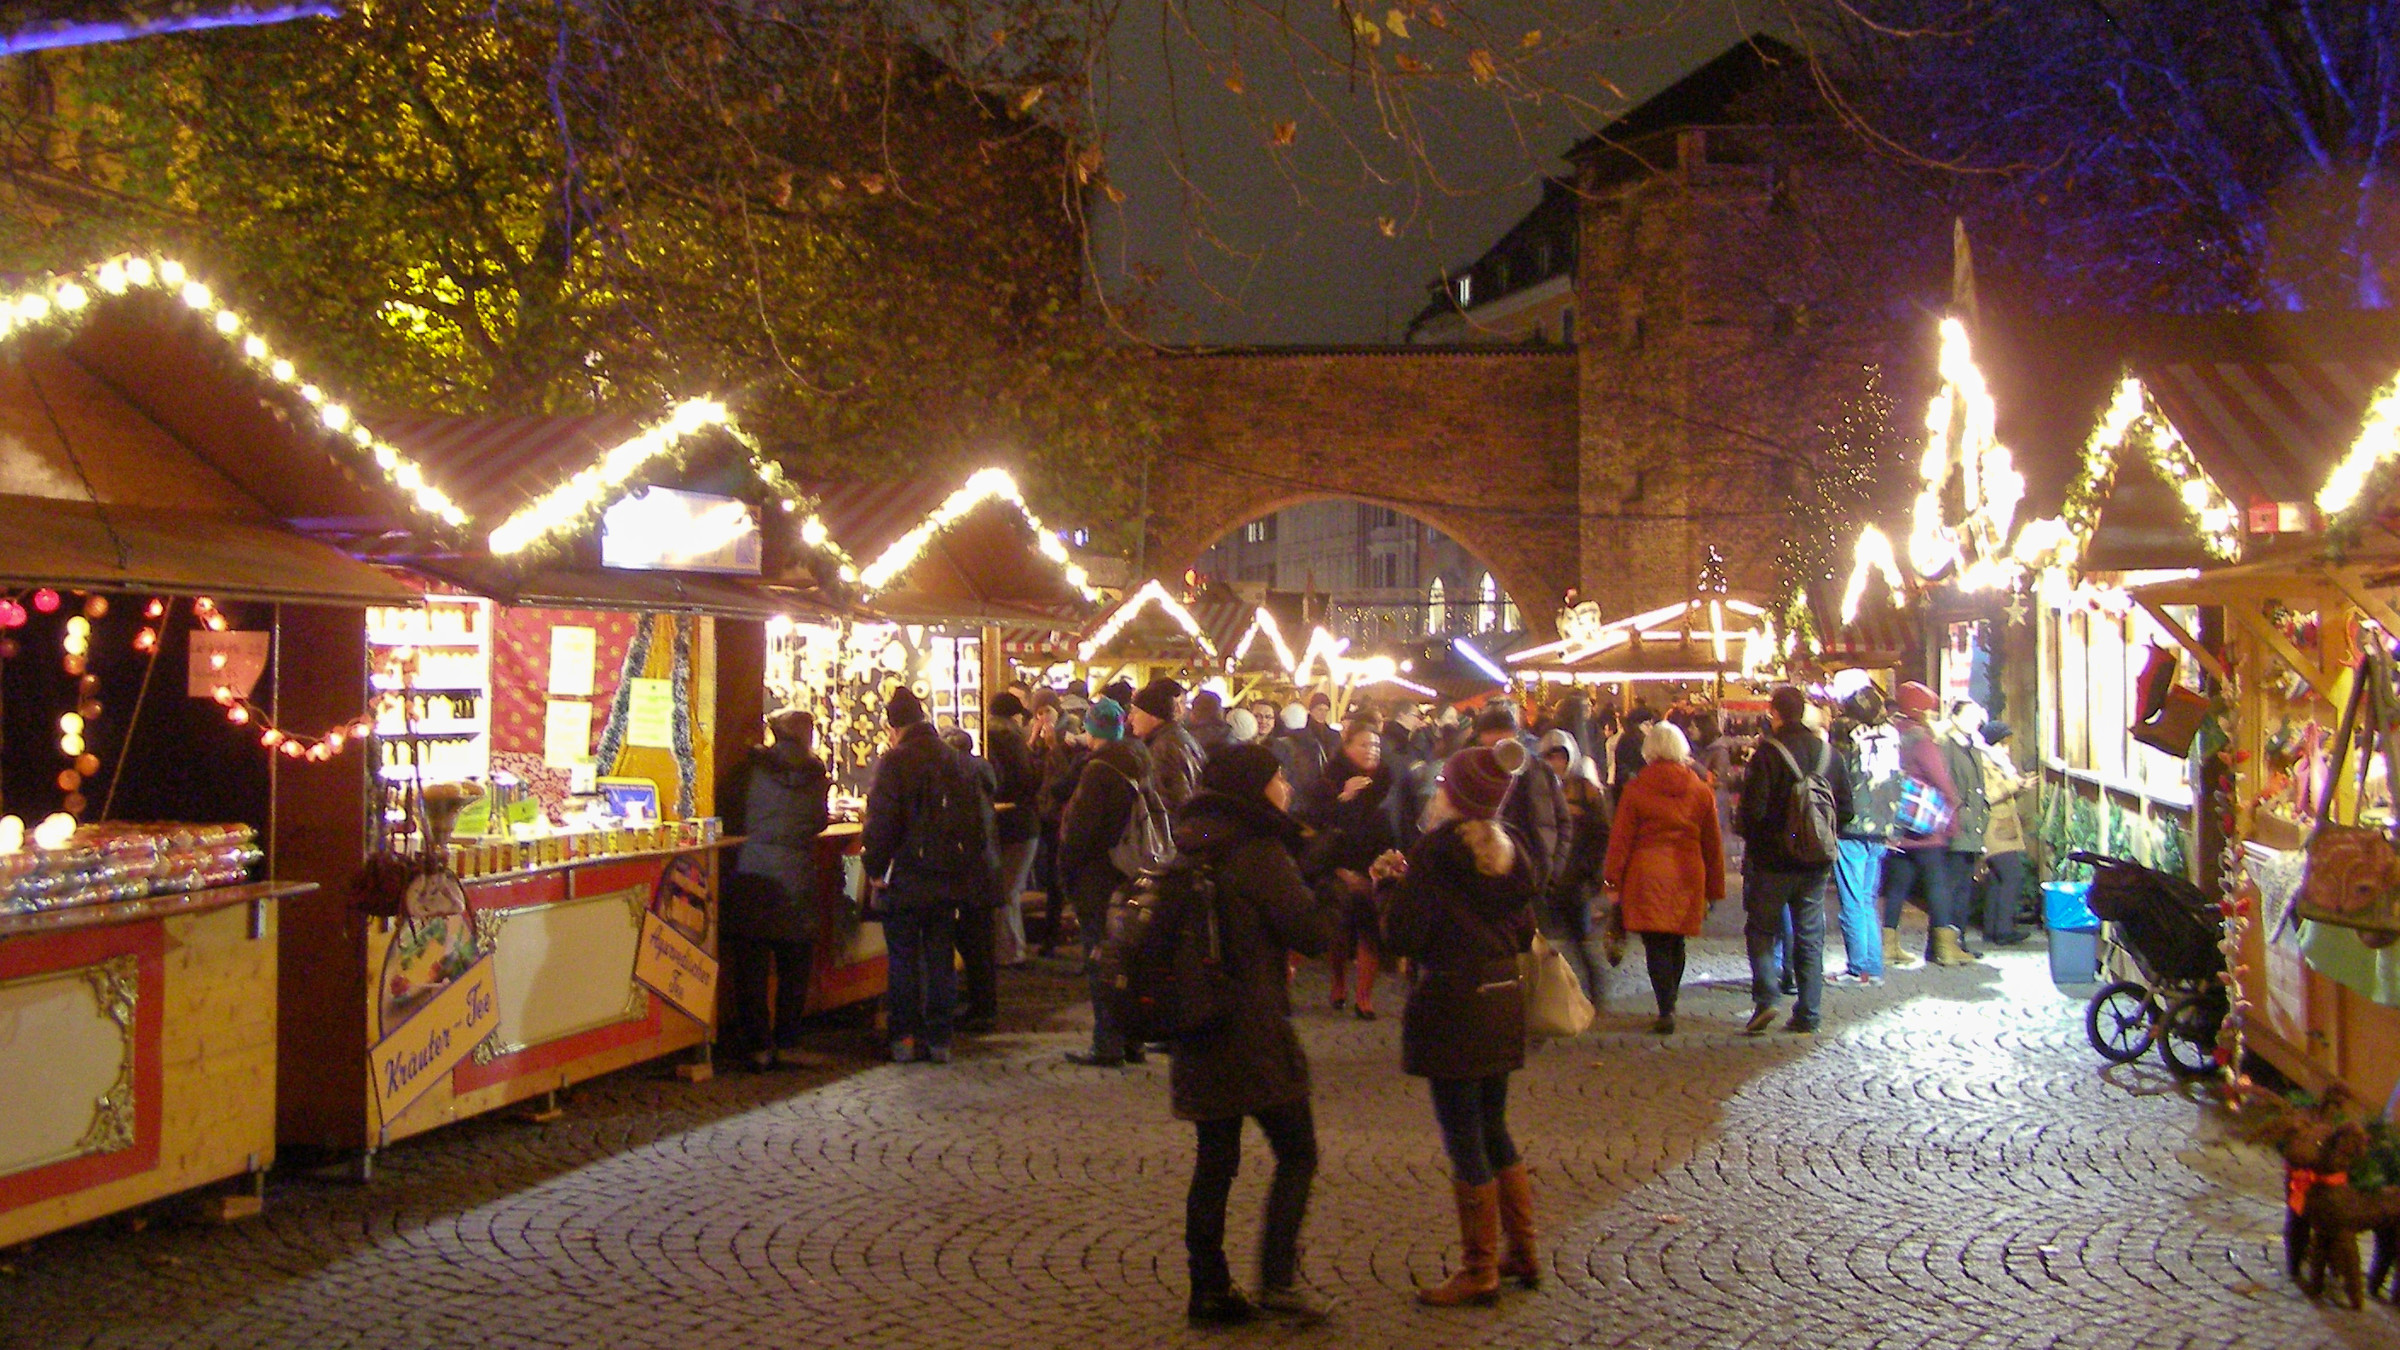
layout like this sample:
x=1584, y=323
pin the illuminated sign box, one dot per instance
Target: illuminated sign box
x=668, y=530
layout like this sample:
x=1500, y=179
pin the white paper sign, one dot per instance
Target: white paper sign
x=233, y=660
x=566, y=733
x=573, y=653
x=650, y=714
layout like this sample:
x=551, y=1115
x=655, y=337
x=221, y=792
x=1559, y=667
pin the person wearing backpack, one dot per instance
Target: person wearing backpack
x=927, y=846
x=1794, y=797
x=1463, y=916
x=1236, y=828
x=1113, y=785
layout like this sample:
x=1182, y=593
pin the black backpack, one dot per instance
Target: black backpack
x=1162, y=962
x=1811, y=835
x=950, y=822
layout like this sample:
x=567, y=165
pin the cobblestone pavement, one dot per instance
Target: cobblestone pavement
x=1946, y=1166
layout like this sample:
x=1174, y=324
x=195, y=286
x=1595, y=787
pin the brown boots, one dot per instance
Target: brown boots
x=1893, y=957
x=1478, y=1277
x=1948, y=950
x=1484, y=1212
x=1522, y=1261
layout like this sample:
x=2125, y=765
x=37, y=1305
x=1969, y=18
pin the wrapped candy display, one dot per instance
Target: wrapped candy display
x=98, y=864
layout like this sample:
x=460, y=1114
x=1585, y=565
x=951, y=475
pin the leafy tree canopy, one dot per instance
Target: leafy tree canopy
x=503, y=206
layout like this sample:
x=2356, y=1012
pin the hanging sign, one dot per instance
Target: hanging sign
x=668, y=530
x=677, y=970
x=226, y=660
x=566, y=733
x=650, y=714
x=574, y=651
x=436, y=1040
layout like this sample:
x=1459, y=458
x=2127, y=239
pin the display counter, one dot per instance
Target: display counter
x=548, y=979
x=151, y=1025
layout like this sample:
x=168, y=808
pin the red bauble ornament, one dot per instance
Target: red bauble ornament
x=12, y=614
x=46, y=600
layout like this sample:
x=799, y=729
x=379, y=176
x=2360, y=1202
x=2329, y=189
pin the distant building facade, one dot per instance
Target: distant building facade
x=1521, y=290
x=1373, y=574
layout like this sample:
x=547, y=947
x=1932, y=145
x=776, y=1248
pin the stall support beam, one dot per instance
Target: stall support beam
x=2257, y=625
x=2354, y=586
x=2207, y=659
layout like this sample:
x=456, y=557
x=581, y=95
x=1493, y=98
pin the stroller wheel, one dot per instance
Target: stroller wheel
x=2187, y=1035
x=2121, y=1020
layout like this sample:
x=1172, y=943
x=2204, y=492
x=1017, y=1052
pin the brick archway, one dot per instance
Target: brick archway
x=1478, y=443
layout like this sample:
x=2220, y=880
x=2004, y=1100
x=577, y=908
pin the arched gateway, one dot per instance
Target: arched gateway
x=1478, y=442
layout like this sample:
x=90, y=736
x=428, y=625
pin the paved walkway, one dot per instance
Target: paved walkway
x=1946, y=1166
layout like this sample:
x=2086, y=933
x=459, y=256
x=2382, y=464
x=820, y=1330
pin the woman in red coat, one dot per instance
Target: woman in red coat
x=1666, y=860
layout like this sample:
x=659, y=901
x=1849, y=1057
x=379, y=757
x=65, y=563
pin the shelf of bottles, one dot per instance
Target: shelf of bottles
x=437, y=662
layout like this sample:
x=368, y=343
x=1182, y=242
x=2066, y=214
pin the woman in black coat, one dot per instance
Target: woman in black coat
x=767, y=911
x=1251, y=1064
x=1352, y=808
x=1464, y=913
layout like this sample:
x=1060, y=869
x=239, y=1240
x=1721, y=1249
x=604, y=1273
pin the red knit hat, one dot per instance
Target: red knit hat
x=1916, y=700
x=1477, y=780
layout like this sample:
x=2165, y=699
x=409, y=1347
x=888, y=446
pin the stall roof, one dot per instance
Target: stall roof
x=985, y=563
x=598, y=588
x=2268, y=402
x=139, y=449
x=83, y=545
x=496, y=466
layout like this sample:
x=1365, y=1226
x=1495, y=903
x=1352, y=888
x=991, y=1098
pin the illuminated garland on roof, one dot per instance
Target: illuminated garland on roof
x=1151, y=593
x=64, y=300
x=1264, y=622
x=2377, y=444
x=573, y=503
x=1980, y=552
x=982, y=486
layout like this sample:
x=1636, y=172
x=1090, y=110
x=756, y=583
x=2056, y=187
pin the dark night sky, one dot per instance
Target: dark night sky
x=1264, y=247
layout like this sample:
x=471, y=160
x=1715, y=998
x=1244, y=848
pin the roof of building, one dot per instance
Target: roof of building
x=1704, y=97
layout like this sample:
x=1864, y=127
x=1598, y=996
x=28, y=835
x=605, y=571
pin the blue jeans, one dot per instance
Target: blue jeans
x=1473, y=1114
x=1858, y=878
x=922, y=995
x=1767, y=899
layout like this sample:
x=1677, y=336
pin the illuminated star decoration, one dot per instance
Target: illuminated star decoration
x=2015, y=609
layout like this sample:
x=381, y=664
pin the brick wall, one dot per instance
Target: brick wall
x=1480, y=446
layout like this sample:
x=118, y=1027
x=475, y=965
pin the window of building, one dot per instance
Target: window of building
x=1260, y=531
x=1510, y=620
x=1466, y=290
x=1437, y=611
x=1488, y=612
x=1391, y=570
x=1542, y=258
x=1566, y=326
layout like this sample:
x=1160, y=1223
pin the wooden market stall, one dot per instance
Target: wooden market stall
x=938, y=571
x=158, y=455
x=2325, y=1007
x=1709, y=643
x=582, y=662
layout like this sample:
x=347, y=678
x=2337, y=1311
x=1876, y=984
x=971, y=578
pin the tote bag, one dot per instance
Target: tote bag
x=1554, y=1000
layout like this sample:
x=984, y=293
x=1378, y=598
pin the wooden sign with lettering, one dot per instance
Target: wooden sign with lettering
x=436, y=1040
x=678, y=970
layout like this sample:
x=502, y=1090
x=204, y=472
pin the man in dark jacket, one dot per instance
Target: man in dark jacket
x=1627, y=760
x=1016, y=807
x=1062, y=768
x=1175, y=759
x=1206, y=722
x=927, y=844
x=1115, y=782
x=1320, y=723
x=1536, y=807
x=1252, y=1064
x=1774, y=881
x=767, y=912
x=1300, y=753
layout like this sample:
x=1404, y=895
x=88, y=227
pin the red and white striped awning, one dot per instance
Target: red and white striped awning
x=2265, y=431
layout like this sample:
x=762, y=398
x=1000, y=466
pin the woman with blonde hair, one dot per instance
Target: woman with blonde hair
x=1666, y=860
x=1463, y=914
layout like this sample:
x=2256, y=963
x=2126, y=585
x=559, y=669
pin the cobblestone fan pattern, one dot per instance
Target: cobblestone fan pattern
x=1945, y=1166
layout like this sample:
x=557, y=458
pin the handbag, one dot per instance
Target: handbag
x=1555, y=1004
x=2351, y=875
x=1923, y=808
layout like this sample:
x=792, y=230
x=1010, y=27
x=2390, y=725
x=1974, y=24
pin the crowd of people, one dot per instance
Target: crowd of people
x=1438, y=843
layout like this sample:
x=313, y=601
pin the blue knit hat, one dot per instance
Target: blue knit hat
x=1106, y=720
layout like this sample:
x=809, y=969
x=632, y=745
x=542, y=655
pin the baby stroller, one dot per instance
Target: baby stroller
x=2167, y=932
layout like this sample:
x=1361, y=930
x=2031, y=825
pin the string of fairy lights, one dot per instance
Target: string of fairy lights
x=62, y=302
